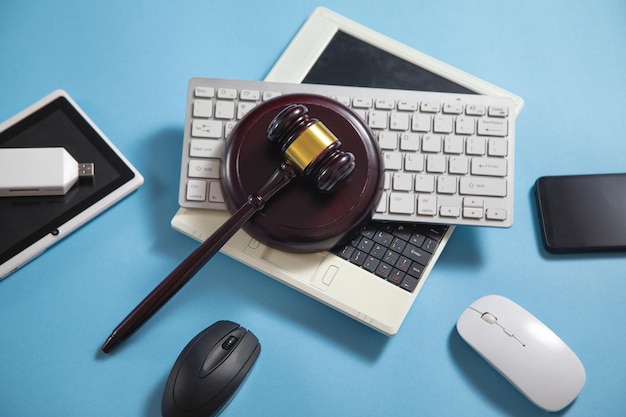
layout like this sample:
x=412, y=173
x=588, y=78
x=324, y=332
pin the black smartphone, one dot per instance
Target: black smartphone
x=583, y=213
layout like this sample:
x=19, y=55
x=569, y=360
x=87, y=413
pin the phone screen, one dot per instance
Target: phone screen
x=583, y=213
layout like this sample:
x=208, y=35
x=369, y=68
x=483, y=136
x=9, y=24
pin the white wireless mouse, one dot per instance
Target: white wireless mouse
x=524, y=350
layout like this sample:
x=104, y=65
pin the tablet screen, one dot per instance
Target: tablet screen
x=347, y=60
x=25, y=220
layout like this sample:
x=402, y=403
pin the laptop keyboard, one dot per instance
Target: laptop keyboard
x=396, y=252
x=448, y=158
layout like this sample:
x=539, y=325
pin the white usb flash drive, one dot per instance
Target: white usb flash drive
x=39, y=171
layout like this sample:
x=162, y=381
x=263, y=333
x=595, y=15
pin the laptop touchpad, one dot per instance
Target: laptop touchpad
x=302, y=266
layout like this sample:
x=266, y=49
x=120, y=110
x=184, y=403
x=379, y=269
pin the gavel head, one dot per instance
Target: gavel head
x=310, y=147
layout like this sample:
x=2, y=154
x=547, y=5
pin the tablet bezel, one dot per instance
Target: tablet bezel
x=314, y=36
x=81, y=216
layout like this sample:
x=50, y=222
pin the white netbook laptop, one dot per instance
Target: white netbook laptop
x=330, y=49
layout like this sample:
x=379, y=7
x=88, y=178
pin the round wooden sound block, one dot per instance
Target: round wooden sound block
x=300, y=218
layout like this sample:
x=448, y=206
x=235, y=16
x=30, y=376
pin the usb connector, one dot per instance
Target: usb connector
x=40, y=171
x=86, y=171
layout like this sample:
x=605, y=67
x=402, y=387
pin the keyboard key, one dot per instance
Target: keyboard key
x=362, y=102
x=436, y=163
x=473, y=202
x=370, y=264
x=396, y=277
x=458, y=165
x=431, y=143
x=446, y=184
x=409, y=141
x=365, y=245
x=384, y=238
x=388, y=140
x=196, y=190
x=378, y=119
x=207, y=92
x=215, y=192
x=449, y=211
x=475, y=110
x=397, y=245
x=202, y=108
x=206, y=129
x=225, y=110
x=475, y=146
x=409, y=283
x=358, y=257
x=498, y=147
x=421, y=122
x=494, y=167
x=453, y=144
x=407, y=105
x=425, y=183
x=250, y=95
x=498, y=111
x=443, y=124
x=227, y=93
x=472, y=213
x=209, y=168
x=402, y=181
x=384, y=104
x=493, y=127
x=392, y=160
x=430, y=106
x=402, y=203
x=495, y=214
x=403, y=263
x=206, y=148
x=383, y=270
x=416, y=254
x=465, y=125
x=414, y=162
x=268, y=95
x=391, y=257
x=243, y=109
x=427, y=205
x=495, y=187
x=399, y=121
x=453, y=108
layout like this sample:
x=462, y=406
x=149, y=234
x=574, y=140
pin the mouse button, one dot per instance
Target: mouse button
x=489, y=318
x=223, y=381
x=220, y=351
x=239, y=355
x=551, y=382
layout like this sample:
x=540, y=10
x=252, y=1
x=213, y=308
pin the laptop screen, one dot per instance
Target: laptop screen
x=347, y=60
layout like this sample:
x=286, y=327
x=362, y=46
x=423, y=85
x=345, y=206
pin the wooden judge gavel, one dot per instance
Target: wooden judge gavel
x=310, y=150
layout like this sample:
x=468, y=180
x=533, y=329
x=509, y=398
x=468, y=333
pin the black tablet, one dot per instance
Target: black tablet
x=29, y=225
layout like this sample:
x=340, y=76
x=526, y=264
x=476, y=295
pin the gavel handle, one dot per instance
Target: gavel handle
x=198, y=258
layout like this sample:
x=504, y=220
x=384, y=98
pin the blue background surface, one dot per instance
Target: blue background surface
x=127, y=64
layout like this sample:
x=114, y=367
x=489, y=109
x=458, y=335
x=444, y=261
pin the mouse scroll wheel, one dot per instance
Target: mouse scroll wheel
x=489, y=318
x=229, y=343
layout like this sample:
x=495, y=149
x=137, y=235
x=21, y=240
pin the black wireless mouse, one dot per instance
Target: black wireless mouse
x=209, y=371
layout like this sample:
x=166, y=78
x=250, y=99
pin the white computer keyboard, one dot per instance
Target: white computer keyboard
x=448, y=158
